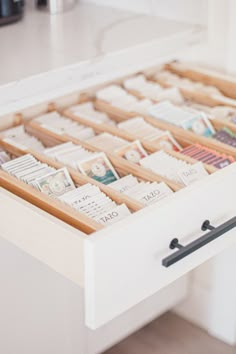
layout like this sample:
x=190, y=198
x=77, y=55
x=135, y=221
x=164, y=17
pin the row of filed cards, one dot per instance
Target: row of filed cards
x=191, y=116
x=184, y=116
x=87, y=199
x=99, y=167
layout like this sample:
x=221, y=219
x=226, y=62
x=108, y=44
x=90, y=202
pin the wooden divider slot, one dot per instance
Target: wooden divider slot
x=46, y=203
x=123, y=165
x=203, y=98
x=78, y=177
x=225, y=84
x=150, y=146
x=184, y=137
x=207, y=100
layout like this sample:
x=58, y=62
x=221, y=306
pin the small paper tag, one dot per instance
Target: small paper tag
x=154, y=194
x=114, y=215
x=192, y=173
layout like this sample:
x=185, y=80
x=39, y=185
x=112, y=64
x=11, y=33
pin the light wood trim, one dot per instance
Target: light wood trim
x=141, y=172
x=81, y=179
x=197, y=96
x=78, y=177
x=183, y=136
x=72, y=217
x=100, y=127
x=209, y=77
x=12, y=149
x=46, y=203
x=123, y=165
x=192, y=95
x=121, y=133
x=207, y=100
x=148, y=145
x=188, y=138
x=51, y=107
x=105, y=127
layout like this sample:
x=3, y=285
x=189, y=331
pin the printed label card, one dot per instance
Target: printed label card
x=132, y=152
x=191, y=173
x=99, y=168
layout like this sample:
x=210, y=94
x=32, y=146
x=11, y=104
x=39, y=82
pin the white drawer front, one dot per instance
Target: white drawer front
x=122, y=265
x=124, y=262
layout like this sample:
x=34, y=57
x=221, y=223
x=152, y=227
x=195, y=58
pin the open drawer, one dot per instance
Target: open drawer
x=121, y=265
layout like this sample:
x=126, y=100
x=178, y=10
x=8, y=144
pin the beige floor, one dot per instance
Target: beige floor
x=171, y=335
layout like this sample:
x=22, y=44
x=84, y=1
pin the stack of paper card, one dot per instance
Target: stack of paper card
x=172, y=168
x=153, y=90
x=189, y=119
x=119, y=98
x=18, y=137
x=107, y=142
x=208, y=156
x=58, y=124
x=131, y=151
x=58, y=184
x=4, y=157
x=90, y=201
x=164, y=164
x=226, y=136
x=139, y=127
x=184, y=83
x=95, y=165
x=146, y=192
x=31, y=171
x=87, y=111
x=68, y=153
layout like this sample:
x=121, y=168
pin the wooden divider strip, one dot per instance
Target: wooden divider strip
x=78, y=177
x=150, y=146
x=105, y=127
x=125, y=166
x=188, y=138
x=183, y=136
x=46, y=203
x=206, y=100
x=209, y=77
x=100, y=127
x=65, y=213
x=81, y=179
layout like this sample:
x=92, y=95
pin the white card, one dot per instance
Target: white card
x=155, y=192
x=191, y=173
x=114, y=215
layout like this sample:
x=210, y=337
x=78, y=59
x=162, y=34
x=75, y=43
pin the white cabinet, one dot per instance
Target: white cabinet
x=80, y=294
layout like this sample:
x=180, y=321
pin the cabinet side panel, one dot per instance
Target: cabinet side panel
x=42, y=236
x=41, y=311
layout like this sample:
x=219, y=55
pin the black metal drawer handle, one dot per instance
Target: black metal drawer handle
x=184, y=251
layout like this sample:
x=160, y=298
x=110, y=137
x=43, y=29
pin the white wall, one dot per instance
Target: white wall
x=192, y=11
